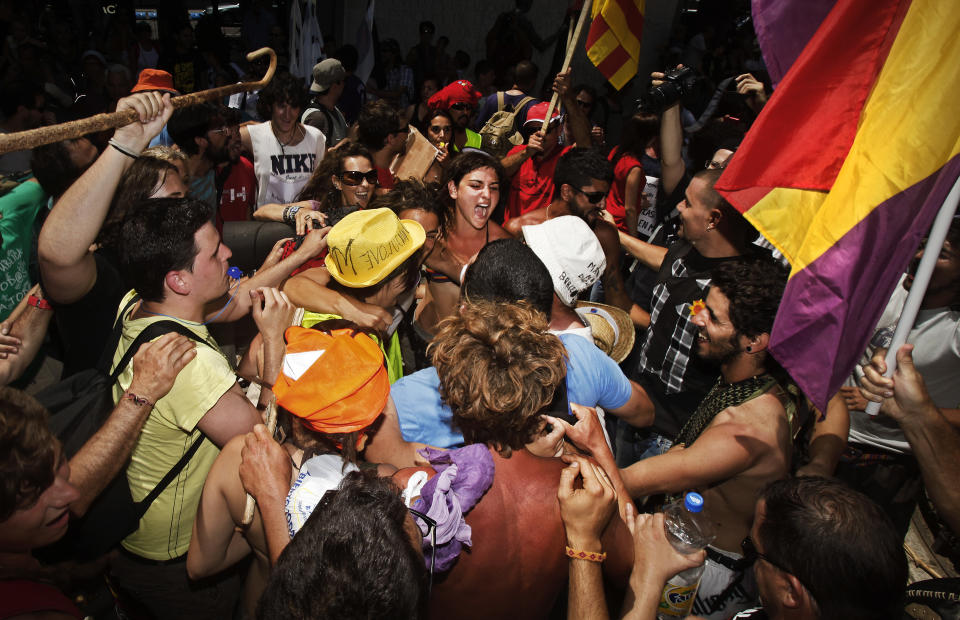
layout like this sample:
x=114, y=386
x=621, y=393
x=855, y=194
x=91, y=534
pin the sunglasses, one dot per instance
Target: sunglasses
x=463, y=107
x=751, y=555
x=592, y=197
x=355, y=177
x=432, y=534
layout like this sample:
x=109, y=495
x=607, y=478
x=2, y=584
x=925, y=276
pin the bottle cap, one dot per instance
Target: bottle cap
x=693, y=502
x=235, y=273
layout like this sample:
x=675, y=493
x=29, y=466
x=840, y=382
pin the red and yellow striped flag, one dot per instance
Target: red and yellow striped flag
x=613, y=43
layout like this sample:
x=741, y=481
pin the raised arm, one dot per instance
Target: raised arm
x=672, y=165
x=66, y=262
x=935, y=443
x=579, y=123
x=155, y=367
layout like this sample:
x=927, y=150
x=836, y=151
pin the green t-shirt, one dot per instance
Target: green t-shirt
x=19, y=209
x=391, y=352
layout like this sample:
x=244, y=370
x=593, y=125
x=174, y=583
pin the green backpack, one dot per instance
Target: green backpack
x=499, y=133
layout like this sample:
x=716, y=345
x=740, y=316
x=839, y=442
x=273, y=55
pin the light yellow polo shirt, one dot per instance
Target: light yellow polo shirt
x=168, y=433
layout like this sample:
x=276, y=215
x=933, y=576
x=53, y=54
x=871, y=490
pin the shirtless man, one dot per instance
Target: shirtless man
x=581, y=182
x=739, y=438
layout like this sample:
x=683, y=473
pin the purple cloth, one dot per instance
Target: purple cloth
x=783, y=29
x=463, y=476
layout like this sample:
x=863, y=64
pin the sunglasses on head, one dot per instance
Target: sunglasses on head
x=462, y=106
x=355, y=177
x=593, y=197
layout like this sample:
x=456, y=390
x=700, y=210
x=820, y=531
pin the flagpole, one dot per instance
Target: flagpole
x=938, y=234
x=571, y=48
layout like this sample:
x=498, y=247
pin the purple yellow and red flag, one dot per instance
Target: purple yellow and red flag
x=845, y=170
x=613, y=41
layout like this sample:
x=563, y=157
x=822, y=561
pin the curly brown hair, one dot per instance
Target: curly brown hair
x=498, y=369
x=29, y=462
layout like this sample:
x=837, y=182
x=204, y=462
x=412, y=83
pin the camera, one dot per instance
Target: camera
x=677, y=82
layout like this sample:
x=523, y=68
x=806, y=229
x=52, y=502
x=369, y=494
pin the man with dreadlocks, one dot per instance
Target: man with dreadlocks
x=739, y=437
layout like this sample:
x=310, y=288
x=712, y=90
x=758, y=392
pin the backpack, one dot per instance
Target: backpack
x=499, y=133
x=79, y=406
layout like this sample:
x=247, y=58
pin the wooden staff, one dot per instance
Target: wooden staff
x=24, y=140
x=571, y=48
x=271, y=427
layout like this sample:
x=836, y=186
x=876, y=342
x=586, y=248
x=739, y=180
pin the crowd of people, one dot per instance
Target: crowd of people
x=339, y=379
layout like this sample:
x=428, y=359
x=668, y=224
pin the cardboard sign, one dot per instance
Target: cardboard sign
x=416, y=159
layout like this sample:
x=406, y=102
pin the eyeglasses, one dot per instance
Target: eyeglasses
x=751, y=554
x=462, y=106
x=226, y=130
x=432, y=533
x=355, y=177
x=715, y=165
x=592, y=197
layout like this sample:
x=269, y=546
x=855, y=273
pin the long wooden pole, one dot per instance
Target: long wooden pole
x=571, y=48
x=271, y=427
x=24, y=140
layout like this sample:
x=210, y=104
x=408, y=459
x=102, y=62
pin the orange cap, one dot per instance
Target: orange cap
x=336, y=383
x=154, y=79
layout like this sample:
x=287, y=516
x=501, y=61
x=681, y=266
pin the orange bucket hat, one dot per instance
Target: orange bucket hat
x=335, y=383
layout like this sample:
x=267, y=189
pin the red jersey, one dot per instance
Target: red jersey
x=532, y=186
x=617, y=198
x=239, y=196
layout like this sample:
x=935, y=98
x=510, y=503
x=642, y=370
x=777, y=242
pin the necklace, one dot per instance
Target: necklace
x=297, y=131
x=720, y=397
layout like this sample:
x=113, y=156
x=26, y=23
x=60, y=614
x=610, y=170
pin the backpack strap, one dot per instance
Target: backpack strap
x=519, y=105
x=155, y=330
x=143, y=505
x=106, y=356
x=500, y=103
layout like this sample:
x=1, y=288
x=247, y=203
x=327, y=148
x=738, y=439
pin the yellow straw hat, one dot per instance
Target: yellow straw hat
x=365, y=246
x=612, y=328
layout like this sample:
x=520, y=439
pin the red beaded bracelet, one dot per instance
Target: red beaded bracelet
x=37, y=302
x=589, y=556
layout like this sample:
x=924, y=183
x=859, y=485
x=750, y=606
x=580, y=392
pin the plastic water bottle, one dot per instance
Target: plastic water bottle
x=688, y=530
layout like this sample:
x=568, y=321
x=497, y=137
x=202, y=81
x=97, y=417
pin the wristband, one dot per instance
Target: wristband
x=290, y=215
x=123, y=149
x=140, y=400
x=589, y=556
x=38, y=302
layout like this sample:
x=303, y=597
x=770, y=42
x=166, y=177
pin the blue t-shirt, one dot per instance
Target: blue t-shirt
x=593, y=379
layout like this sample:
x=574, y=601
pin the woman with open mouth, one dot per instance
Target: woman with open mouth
x=341, y=184
x=473, y=182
